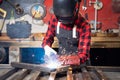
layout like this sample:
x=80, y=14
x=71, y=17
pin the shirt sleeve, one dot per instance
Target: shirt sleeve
x=84, y=40
x=49, y=36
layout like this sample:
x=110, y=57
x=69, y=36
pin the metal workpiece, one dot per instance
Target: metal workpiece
x=28, y=66
x=38, y=67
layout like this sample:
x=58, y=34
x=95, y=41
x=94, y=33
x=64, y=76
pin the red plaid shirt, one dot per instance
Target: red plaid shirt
x=84, y=38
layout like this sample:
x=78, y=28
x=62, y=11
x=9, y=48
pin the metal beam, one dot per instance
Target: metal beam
x=38, y=67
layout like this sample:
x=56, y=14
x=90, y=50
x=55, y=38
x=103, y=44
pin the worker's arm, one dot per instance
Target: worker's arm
x=84, y=42
x=48, y=40
x=49, y=36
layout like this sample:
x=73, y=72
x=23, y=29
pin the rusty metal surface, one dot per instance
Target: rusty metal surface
x=82, y=73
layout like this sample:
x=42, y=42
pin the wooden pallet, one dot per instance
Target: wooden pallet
x=74, y=73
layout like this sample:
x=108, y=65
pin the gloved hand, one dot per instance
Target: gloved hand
x=49, y=51
x=69, y=59
x=50, y=54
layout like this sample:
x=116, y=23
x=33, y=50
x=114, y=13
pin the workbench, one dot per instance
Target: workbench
x=35, y=41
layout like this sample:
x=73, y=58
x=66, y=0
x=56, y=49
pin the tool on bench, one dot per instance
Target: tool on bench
x=3, y=13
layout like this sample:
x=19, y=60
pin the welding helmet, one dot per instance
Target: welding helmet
x=66, y=10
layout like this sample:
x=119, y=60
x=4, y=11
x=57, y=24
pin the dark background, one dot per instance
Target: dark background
x=105, y=56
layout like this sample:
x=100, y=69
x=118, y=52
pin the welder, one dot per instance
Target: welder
x=72, y=31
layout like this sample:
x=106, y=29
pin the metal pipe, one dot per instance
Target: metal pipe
x=95, y=25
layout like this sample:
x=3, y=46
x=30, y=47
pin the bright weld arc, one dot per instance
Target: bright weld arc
x=53, y=65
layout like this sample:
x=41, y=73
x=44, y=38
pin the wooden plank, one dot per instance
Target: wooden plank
x=19, y=75
x=105, y=39
x=113, y=75
x=4, y=71
x=44, y=77
x=37, y=38
x=78, y=76
x=94, y=76
x=6, y=38
x=32, y=76
x=85, y=74
x=4, y=66
x=104, y=68
x=21, y=43
x=62, y=78
x=52, y=75
x=101, y=75
x=4, y=76
x=55, y=44
x=105, y=45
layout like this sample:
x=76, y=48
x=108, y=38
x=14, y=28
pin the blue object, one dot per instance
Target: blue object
x=32, y=55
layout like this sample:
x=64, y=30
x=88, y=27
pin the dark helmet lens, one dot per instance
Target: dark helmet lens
x=64, y=8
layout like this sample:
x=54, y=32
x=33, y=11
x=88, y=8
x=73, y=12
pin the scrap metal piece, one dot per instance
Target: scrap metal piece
x=38, y=67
